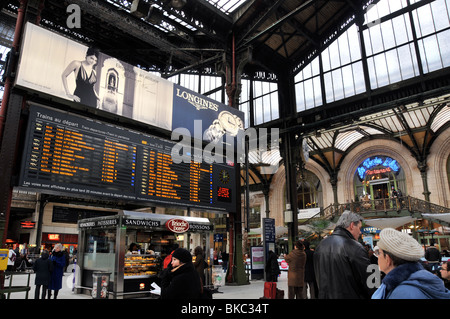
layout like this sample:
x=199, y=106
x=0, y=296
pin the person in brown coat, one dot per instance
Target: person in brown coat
x=199, y=263
x=296, y=273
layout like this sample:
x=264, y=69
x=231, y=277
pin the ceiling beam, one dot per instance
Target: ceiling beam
x=142, y=31
x=276, y=24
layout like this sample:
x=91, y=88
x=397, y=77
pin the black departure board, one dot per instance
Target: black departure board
x=70, y=154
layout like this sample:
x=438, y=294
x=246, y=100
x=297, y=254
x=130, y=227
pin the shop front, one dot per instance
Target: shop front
x=105, y=246
x=69, y=241
x=378, y=179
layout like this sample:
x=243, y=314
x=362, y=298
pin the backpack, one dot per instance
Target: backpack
x=13, y=257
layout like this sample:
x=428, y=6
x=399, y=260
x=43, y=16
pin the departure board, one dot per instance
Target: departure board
x=70, y=154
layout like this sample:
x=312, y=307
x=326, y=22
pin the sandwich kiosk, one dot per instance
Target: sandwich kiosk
x=104, y=249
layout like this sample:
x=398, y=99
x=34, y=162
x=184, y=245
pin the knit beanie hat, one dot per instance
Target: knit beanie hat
x=400, y=244
x=183, y=255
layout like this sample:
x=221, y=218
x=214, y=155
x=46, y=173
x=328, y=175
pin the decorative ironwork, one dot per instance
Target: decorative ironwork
x=411, y=204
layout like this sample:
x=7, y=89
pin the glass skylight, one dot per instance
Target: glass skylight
x=227, y=6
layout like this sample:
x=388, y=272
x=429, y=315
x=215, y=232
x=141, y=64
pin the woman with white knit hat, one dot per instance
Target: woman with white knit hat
x=399, y=258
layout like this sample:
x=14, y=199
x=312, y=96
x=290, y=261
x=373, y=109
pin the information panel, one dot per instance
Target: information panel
x=67, y=153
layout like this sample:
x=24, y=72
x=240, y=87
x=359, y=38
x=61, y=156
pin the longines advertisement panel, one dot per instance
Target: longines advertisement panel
x=55, y=65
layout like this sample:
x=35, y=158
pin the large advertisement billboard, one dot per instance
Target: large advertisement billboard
x=55, y=65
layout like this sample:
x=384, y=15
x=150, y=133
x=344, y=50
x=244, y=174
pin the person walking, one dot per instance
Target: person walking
x=43, y=268
x=11, y=260
x=272, y=269
x=296, y=272
x=310, y=277
x=399, y=258
x=59, y=262
x=199, y=263
x=340, y=261
x=182, y=281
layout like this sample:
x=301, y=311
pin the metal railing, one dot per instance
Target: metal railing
x=412, y=204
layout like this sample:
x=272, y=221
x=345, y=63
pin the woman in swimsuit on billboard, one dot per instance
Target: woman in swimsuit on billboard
x=85, y=77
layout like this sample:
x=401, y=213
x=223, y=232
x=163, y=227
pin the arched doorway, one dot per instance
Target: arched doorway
x=376, y=176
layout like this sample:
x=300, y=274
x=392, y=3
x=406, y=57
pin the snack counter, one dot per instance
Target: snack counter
x=104, y=244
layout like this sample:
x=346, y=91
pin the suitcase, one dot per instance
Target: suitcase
x=270, y=290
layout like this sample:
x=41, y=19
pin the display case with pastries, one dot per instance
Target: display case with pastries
x=141, y=265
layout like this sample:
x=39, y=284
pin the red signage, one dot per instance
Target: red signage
x=27, y=224
x=177, y=225
x=379, y=171
x=53, y=236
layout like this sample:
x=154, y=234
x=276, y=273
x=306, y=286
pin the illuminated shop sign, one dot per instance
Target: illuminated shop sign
x=377, y=165
x=53, y=237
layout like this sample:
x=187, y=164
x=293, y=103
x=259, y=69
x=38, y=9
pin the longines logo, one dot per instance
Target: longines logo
x=198, y=102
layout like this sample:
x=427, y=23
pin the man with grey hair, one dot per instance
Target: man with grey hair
x=340, y=262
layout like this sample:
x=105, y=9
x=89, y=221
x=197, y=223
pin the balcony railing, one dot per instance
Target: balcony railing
x=412, y=204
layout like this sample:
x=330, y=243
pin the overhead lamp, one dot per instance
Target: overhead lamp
x=178, y=4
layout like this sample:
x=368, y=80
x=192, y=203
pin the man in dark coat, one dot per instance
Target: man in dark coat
x=199, y=263
x=310, y=277
x=272, y=268
x=433, y=256
x=181, y=280
x=43, y=268
x=341, y=262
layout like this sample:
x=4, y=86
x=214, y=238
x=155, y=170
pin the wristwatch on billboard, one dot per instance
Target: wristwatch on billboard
x=226, y=123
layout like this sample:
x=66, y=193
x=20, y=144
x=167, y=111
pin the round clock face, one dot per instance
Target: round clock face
x=224, y=176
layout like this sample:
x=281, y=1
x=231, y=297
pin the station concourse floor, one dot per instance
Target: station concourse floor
x=253, y=290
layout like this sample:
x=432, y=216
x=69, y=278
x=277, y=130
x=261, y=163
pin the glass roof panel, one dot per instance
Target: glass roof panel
x=227, y=6
x=345, y=140
x=371, y=131
x=442, y=118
